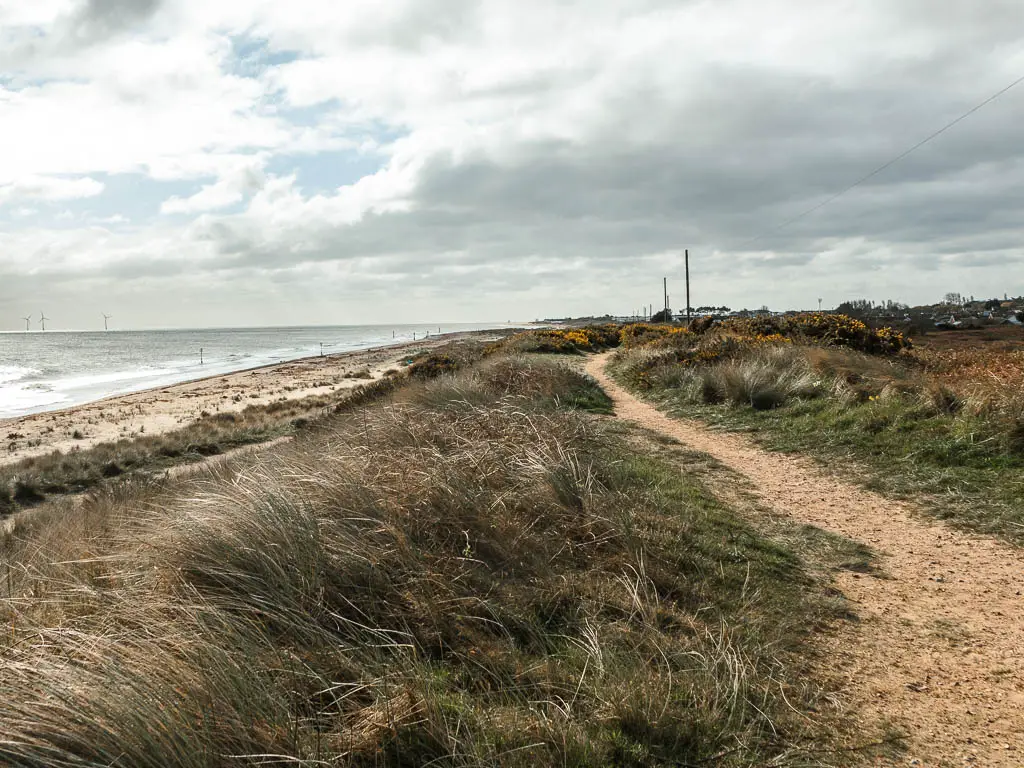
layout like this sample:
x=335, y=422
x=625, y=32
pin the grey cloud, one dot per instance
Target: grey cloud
x=725, y=157
x=90, y=23
x=96, y=20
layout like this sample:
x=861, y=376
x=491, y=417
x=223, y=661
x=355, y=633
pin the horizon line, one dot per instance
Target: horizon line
x=496, y=324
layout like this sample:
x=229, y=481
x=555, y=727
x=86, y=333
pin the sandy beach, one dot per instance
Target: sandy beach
x=164, y=409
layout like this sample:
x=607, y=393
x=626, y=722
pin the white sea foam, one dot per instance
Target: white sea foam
x=24, y=398
x=108, y=380
x=12, y=373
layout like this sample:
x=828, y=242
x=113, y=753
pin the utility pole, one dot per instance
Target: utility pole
x=687, y=257
x=665, y=290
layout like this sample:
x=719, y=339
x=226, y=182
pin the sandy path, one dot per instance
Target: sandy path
x=939, y=649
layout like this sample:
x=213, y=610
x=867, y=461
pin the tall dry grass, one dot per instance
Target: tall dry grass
x=944, y=428
x=472, y=574
x=763, y=377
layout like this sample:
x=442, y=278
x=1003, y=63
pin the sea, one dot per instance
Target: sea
x=48, y=370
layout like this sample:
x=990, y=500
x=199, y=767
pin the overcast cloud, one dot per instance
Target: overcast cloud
x=175, y=162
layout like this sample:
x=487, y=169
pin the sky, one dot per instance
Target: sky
x=177, y=163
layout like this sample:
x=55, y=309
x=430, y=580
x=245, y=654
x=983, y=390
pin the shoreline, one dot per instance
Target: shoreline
x=6, y=420
x=163, y=379
x=164, y=408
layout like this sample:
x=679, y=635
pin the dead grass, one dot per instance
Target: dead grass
x=470, y=574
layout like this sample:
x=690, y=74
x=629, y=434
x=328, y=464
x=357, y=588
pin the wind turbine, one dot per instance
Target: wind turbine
x=42, y=319
x=27, y=321
x=105, y=318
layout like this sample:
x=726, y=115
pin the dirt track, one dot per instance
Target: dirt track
x=939, y=649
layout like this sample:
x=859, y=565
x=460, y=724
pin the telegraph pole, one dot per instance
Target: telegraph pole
x=665, y=290
x=687, y=257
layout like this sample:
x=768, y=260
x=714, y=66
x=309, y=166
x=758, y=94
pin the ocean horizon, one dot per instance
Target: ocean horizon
x=49, y=370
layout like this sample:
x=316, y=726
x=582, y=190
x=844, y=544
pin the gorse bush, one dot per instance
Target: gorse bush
x=809, y=328
x=828, y=329
x=470, y=574
x=560, y=341
x=434, y=365
x=641, y=334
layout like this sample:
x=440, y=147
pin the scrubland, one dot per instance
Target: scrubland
x=465, y=567
x=942, y=424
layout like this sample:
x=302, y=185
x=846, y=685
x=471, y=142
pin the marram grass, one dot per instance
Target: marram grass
x=474, y=573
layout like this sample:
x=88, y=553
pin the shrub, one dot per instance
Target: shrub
x=433, y=365
x=111, y=469
x=25, y=492
x=642, y=334
x=821, y=328
x=560, y=341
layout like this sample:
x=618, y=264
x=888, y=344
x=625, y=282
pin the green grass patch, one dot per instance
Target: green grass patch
x=885, y=429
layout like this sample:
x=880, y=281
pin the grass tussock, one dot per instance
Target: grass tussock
x=945, y=429
x=474, y=573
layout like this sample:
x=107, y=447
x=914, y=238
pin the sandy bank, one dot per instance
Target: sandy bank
x=163, y=409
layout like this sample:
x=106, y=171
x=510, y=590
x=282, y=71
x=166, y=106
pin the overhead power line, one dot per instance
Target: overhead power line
x=884, y=166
